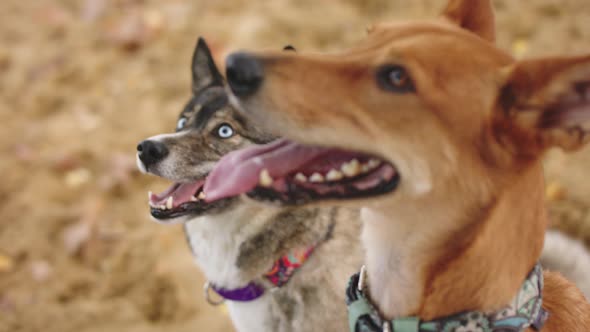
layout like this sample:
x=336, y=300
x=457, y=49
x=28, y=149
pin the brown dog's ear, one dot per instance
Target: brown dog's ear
x=476, y=16
x=546, y=103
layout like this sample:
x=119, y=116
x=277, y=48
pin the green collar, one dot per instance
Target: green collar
x=524, y=311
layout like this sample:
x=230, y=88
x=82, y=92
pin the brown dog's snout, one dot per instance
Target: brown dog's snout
x=244, y=73
x=151, y=152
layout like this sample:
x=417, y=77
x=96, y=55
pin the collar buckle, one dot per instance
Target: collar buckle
x=206, y=292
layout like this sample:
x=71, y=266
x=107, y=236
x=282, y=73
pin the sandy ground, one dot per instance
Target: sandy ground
x=81, y=82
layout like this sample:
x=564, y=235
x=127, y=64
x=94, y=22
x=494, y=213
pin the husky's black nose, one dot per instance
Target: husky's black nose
x=244, y=73
x=151, y=152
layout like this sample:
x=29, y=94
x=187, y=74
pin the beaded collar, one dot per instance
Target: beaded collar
x=524, y=311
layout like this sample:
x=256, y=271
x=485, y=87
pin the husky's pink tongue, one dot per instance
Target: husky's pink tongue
x=239, y=172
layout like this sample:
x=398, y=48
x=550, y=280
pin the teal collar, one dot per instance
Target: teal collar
x=524, y=311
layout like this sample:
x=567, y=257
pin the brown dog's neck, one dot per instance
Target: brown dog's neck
x=413, y=270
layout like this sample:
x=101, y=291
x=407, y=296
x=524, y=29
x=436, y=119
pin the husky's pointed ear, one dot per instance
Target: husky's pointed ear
x=545, y=103
x=204, y=70
x=476, y=16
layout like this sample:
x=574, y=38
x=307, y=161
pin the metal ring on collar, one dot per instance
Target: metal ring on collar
x=206, y=289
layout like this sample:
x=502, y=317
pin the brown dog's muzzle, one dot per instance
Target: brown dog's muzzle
x=245, y=74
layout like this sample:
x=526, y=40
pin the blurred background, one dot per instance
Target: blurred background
x=82, y=81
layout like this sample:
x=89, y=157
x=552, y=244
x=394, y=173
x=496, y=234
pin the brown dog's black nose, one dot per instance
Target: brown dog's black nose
x=151, y=152
x=244, y=73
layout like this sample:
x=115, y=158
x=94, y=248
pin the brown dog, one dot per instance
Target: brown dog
x=439, y=135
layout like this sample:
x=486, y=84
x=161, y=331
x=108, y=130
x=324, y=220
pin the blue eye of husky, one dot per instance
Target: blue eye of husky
x=225, y=131
x=181, y=123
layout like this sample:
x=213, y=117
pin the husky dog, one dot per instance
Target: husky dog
x=280, y=269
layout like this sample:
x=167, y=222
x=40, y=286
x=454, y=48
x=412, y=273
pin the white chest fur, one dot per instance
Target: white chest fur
x=392, y=268
x=216, y=240
x=250, y=316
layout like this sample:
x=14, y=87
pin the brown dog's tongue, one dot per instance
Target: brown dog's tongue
x=239, y=172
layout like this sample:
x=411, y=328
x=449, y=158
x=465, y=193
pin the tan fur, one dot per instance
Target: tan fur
x=569, y=310
x=451, y=288
x=467, y=222
x=476, y=16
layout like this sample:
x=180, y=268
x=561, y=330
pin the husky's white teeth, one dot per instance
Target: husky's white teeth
x=202, y=195
x=169, y=203
x=351, y=168
x=157, y=206
x=316, y=178
x=265, y=179
x=300, y=177
x=334, y=175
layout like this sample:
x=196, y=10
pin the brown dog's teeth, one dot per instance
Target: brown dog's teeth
x=170, y=203
x=370, y=165
x=265, y=179
x=202, y=195
x=373, y=163
x=300, y=177
x=316, y=178
x=351, y=168
x=334, y=175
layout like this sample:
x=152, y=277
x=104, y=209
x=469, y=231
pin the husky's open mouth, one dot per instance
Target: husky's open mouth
x=292, y=173
x=178, y=200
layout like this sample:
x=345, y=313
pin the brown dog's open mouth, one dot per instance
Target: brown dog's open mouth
x=293, y=173
x=178, y=200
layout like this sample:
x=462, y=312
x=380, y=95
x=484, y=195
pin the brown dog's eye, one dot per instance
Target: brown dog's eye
x=395, y=79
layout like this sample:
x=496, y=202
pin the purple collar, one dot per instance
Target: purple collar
x=251, y=292
x=280, y=273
